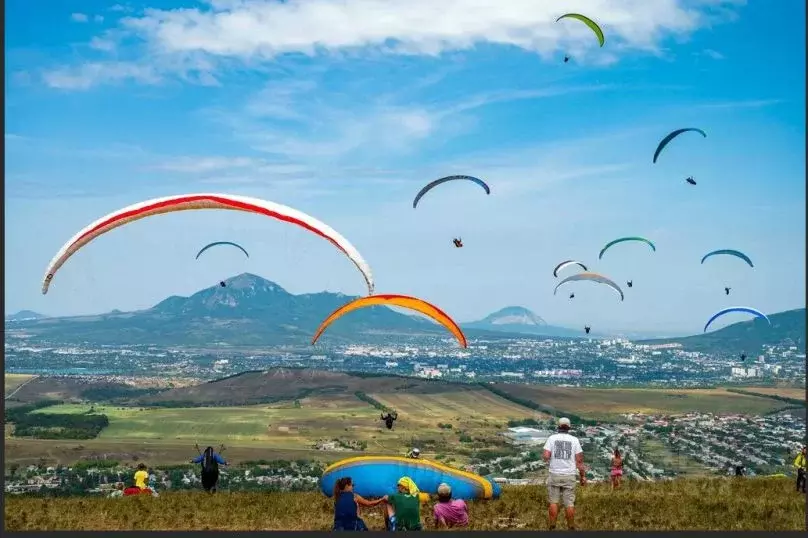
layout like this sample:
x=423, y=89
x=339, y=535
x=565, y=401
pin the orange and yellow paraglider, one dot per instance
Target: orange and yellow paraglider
x=404, y=301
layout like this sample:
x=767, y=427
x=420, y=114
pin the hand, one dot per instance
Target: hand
x=583, y=481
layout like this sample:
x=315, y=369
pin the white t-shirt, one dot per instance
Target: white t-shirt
x=563, y=448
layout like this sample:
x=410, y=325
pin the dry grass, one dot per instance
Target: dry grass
x=688, y=504
x=608, y=403
x=12, y=381
x=786, y=392
x=30, y=451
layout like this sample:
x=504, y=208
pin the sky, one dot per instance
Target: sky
x=344, y=109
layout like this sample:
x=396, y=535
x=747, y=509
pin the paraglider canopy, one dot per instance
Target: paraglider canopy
x=594, y=277
x=567, y=263
x=746, y=309
x=437, y=182
x=403, y=301
x=587, y=21
x=610, y=244
x=728, y=252
x=673, y=134
x=218, y=243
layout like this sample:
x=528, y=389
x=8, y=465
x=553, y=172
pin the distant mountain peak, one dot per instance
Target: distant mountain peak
x=249, y=281
x=514, y=315
x=25, y=315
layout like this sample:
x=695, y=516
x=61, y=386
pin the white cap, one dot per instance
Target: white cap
x=564, y=421
x=416, y=451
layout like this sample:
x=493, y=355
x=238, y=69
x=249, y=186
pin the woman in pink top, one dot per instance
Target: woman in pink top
x=617, y=469
x=448, y=512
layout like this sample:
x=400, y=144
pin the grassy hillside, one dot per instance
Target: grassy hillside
x=692, y=504
x=609, y=403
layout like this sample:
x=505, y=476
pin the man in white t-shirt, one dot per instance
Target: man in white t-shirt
x=566, y=458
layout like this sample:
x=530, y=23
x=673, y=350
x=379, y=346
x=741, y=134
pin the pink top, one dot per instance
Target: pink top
x=454, y=513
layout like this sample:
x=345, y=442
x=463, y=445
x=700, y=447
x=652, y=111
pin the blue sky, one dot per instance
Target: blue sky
x=344, y=109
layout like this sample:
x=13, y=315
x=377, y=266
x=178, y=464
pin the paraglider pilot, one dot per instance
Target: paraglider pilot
x=726, y=290
x=389, y=418
x=691, y=180
x=587, y=329
x=222, y=284
x=210, y=461
x=457, y=242
x=572, y=296
x=566, y=59
x=630, y=283
x=414, y=454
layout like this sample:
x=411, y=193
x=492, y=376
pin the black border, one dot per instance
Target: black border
x=212, y=534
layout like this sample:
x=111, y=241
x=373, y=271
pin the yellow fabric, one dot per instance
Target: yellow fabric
x=412, y=489
x=140, y=479
x=800, y=461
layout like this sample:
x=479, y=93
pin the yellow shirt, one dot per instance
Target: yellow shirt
x=140, y=479
x=800, y=461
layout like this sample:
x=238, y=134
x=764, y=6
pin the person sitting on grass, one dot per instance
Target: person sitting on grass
x=404, y=507
x=450, y=513
x=141, y=477
x=346, y=506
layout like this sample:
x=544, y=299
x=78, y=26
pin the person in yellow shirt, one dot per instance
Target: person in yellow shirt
x=799, y=463
x=141, y=477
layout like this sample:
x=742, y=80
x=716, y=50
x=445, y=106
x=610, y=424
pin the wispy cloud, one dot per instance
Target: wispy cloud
x=751, y=103
x=78, y=17
x=90, y=74
x=204, y=40
x=714, y=54
x=206, y=164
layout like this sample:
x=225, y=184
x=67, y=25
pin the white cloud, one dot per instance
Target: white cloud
x=205, y=164
x=90, y=74
x=714, y=54
x=258, y=31
x=751, y=103
x=78, y=17
x=98, y=18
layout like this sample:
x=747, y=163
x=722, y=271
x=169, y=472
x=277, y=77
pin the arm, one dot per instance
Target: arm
x=220, y=460
x=197, y=459
x=579, y=462
x=361, y=501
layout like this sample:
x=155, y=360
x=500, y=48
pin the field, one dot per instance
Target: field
x=786, y=392
x=12, y=381
x=610, y=403
x=688, y=504
x=284, y=427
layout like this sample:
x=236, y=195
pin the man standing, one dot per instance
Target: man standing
x=564, y=453
x=799, y=463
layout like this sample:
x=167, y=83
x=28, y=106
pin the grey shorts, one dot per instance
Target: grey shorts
x=562, y=487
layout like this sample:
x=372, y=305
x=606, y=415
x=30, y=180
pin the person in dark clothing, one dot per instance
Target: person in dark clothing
x=739, y=470
x=572, y=296
x=587, y=329
x=388, y=419
x=210, y=461
x=726, y=290
x=630, y=283
x=457, y=242
x=222, y=284
x=346, y=506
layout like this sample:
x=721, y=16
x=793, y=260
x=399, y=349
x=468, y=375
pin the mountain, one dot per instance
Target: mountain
x=25, y=315
x=249, y=311
x=520, y=320
x=748, y=336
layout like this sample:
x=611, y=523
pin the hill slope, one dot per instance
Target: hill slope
x=520, y=320
x=25, y=315
x=787, y=328
x=749, y=504
x=249, y=311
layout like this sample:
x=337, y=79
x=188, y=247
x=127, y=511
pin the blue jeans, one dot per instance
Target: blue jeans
x=359, y=525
